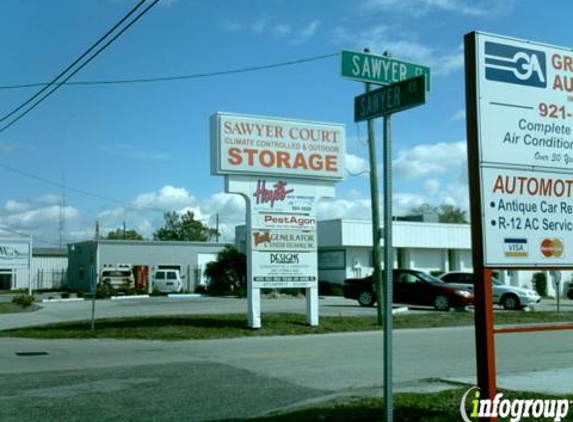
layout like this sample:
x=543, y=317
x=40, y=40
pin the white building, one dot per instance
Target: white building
x=345, y=250
x=189, y=258
x=15, y=260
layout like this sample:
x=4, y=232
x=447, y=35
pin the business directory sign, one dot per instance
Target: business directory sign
x=524, y=112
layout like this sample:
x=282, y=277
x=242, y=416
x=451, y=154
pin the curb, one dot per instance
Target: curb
x=184, y=295
x=129, y=297
x=71, y=299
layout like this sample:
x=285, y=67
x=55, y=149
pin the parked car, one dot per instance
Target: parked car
x=410, y=287
x=510, y=297
x=119, y=276
x=167, y=281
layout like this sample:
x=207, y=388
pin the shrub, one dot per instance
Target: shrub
x=326, y=288
x=65, y=295
x=539, y=281
x=79, y=294
x=24, y=300
x=201, y=289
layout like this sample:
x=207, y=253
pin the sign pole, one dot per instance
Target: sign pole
x=388, y=270
x=484, y=331
x=375, y=215
x=95, y=276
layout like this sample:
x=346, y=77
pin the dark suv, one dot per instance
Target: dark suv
x=410, y=287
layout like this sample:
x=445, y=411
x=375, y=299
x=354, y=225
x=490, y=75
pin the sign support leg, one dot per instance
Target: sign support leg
x=312, y=306
x=254, y=299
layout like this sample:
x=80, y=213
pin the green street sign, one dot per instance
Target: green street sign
x=390, y=99
x=382, y=70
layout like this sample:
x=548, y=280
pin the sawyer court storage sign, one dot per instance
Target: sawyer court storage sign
x=254, y=145
x=282, y=167
x=524, y=113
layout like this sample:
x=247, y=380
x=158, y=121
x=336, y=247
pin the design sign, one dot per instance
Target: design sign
x=525, y=150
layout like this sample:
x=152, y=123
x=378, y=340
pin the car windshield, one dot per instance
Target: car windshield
x=496, y=282
x=429, y=278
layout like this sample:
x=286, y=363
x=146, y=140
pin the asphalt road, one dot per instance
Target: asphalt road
x=213, y=380
x=108, y=380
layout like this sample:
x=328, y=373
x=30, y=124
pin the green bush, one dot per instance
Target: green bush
x=65, y=295
x=201, y=289
x=539, y=281
x=79, y=294
x=326, y=288
x=24, y=300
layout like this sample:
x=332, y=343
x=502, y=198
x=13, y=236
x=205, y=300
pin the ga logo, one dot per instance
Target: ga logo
x=552, y=248
x=506, y=63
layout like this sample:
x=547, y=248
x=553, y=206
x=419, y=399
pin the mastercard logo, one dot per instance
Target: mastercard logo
x=552, y=248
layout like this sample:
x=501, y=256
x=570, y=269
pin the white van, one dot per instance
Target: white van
x=167, y=281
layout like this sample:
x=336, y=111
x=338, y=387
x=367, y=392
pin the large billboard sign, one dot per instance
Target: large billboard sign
x=524, y=120
x=250, y=145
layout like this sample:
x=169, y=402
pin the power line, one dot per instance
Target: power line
x=83, y=192
x=57, y=86
x=53, y=81
x=179, y=77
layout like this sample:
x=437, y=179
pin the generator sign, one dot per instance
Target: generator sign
x=525, y=151
x=248, y=145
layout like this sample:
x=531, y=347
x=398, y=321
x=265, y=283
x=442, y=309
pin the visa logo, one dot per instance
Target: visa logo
x=516, y=248
x=506, y=63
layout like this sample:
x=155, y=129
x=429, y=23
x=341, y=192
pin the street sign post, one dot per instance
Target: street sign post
x=406, y=86
x=381, y=70
x=390, y=99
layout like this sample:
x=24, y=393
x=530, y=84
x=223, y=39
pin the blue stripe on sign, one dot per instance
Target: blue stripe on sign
x=515, y=240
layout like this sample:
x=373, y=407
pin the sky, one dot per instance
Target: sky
x=128, y=152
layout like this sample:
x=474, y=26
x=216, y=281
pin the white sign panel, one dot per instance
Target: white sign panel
x=258, y=146
x=14, y=254
x=284, y=240
x=284, y=269
x=525, y=139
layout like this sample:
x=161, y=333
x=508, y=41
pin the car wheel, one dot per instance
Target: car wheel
x=510, y=302
x=442, y=303
x=366, y=298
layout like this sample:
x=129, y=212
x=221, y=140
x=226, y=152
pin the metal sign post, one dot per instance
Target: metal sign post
x=382, y=102
x=388, y=273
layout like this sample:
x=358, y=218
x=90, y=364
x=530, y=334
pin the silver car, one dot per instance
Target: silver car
x=510, y=297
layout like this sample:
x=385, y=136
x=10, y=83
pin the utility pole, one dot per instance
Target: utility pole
x=124, y=230
x=217, y=229
x=377, y=275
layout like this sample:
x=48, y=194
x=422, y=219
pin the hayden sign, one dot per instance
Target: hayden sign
x=258, y=146
x=282, y=168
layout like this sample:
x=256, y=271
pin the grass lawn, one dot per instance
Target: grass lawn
x=199, y=327
x=12, y=308
x=408, y=407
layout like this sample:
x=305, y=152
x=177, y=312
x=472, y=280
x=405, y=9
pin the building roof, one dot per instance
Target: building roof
x=55, y=252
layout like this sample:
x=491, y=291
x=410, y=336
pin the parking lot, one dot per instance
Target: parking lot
x=162, y=305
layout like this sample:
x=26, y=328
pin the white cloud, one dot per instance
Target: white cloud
x=306, y=32
x=292, y=33
x=430, y=160
x=432, y=187
x=459, y=115
x=383, y=38
x=356, y=166
x=460, y=7
x=129, y=151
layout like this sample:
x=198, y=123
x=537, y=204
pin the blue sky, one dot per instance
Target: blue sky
x=126, y=152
